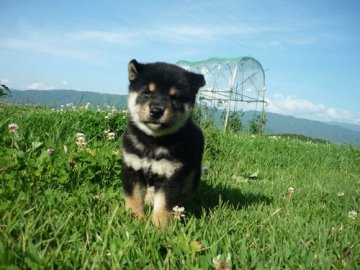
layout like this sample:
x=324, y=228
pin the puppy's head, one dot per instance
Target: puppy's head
x=161, y=96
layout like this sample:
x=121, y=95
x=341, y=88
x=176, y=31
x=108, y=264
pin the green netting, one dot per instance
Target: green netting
x=230, y=81
x=217, y=60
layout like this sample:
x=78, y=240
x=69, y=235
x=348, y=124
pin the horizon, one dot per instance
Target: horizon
x=309, y=49
x=339, y=124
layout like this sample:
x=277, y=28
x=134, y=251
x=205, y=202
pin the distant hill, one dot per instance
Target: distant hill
x=282, y=124
x=56, y=98
x=346, y=125
x=279, y=124
x=276, y=123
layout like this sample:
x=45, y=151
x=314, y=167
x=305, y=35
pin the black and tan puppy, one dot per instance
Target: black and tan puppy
x=162, y=147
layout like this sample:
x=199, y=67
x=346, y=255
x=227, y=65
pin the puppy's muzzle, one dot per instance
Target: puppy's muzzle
x=156, y=111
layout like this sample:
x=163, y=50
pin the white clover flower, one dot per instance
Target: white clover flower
x=65, y=149
x=79, y=134
x=111, y=136
x=340, y=194
x=220, y=264
x=13, y=128
x=352, y=214
x=290, y=191
x=50, y=151
x=81, y=145
x=80, y=141
x=178, y=212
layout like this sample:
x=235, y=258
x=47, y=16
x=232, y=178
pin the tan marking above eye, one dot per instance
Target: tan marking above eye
x=152, y=87
x=173, y=90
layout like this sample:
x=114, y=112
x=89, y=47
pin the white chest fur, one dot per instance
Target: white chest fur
x=162, y=167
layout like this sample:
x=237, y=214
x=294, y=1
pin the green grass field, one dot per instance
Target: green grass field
x=264, y=203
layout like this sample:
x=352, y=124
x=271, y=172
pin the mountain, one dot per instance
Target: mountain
x=346, y=125
x=276, y=123
x=56, y=98
x=279, y=124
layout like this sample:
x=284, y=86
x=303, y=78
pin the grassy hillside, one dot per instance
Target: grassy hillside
x=264, y=203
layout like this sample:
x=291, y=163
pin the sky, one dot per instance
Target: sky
x=309, y=49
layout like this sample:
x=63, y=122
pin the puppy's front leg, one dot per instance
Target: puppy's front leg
x=135, y=201
x=135, y=191
x=165, y=198
x=161, y=211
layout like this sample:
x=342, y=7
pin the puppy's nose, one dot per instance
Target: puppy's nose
x=156, y=111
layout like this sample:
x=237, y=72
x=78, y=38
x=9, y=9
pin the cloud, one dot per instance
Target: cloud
x=170, y=33
x=47, y=42
x=5, y=81
x=86, y=44
x=39, y=86
x=129, y=36
x=44, y=45
x=290, y=105
x=175, y=32
x=122, y=36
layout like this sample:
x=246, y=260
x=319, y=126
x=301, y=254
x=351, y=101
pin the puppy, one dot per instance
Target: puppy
x=162, y=146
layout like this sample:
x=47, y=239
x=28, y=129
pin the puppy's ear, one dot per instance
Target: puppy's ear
x=195, y=80
x=134, y=69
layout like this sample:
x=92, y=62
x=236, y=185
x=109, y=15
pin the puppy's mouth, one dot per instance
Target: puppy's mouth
x=155, y=124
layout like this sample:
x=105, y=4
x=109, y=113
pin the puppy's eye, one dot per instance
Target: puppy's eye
x=147, y=94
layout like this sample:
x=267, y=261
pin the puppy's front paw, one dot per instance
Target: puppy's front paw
x=161, y=219
x=135, y=206
x=161, y=214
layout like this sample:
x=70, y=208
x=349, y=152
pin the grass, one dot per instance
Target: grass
x=65, y=209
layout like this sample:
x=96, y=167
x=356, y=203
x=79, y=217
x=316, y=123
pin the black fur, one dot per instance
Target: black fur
x=182, y=145
x=185, y=146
